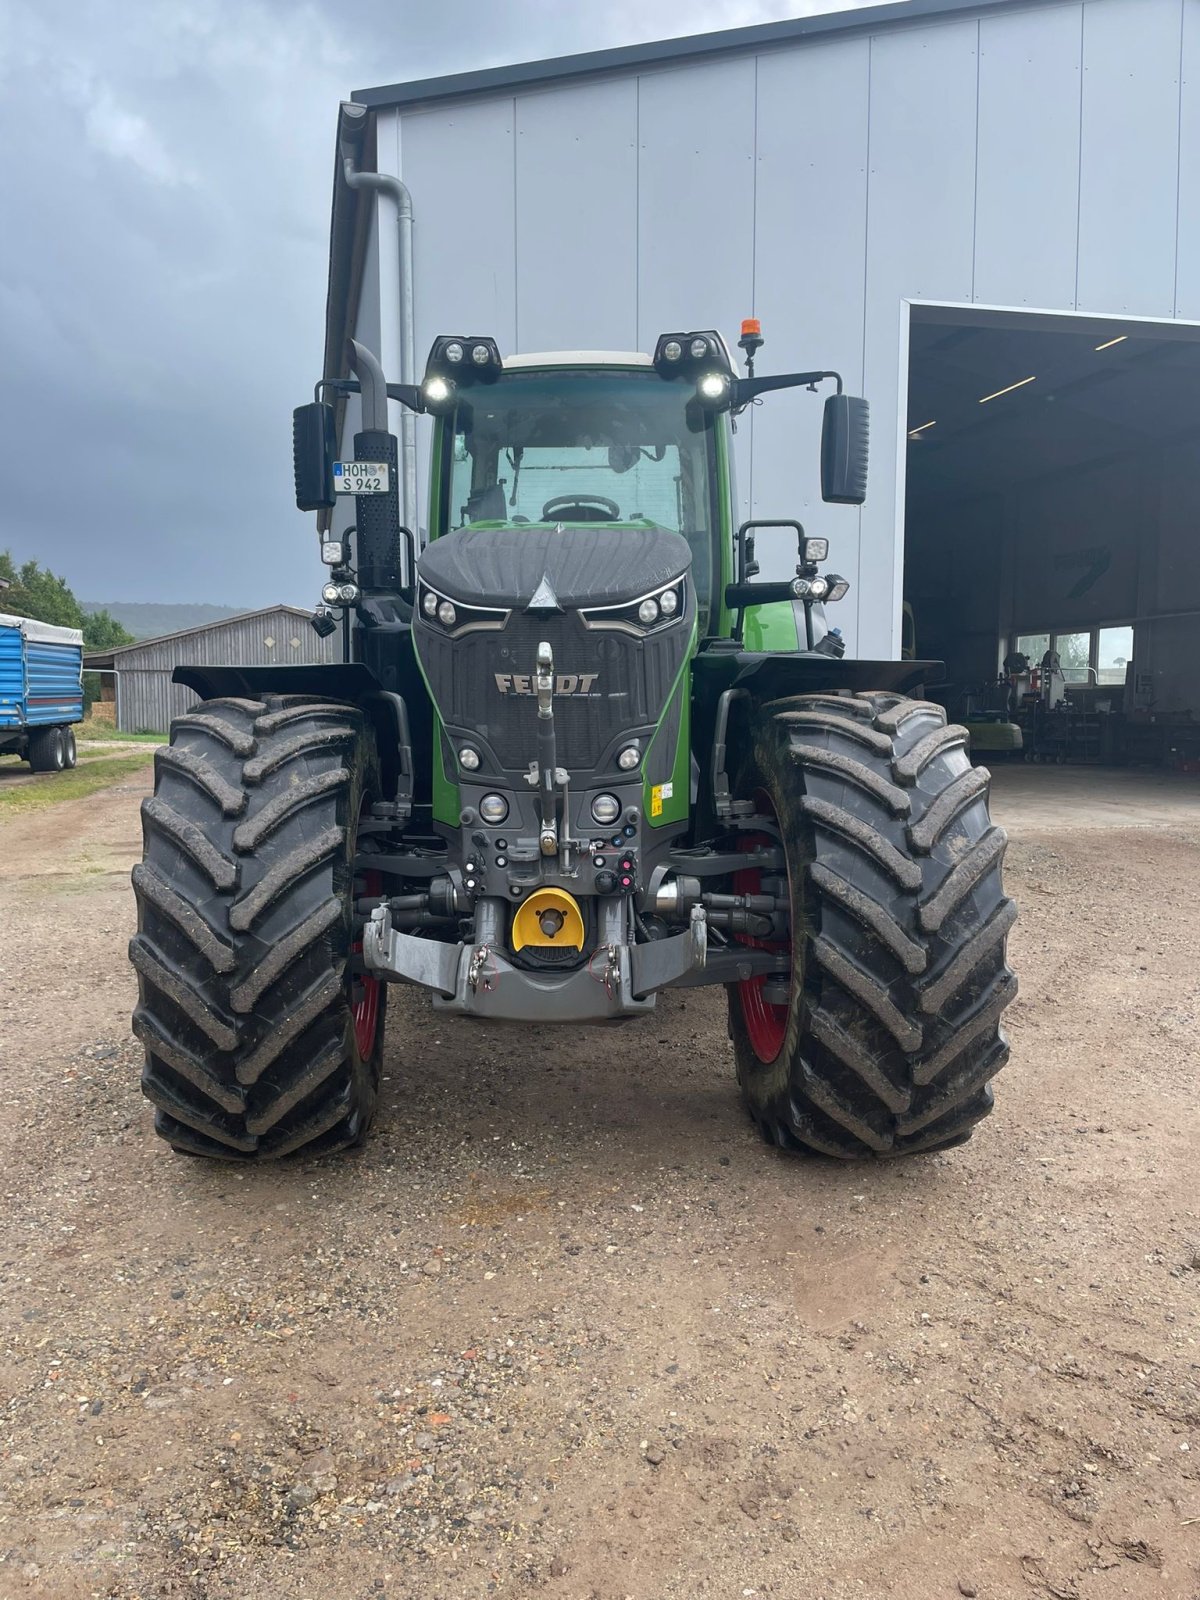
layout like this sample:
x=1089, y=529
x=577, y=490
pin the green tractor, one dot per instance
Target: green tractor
x=578, y=752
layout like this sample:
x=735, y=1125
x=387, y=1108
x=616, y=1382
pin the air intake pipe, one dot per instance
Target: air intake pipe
x=395, y=262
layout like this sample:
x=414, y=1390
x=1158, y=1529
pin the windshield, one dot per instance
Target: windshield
x=584, y=446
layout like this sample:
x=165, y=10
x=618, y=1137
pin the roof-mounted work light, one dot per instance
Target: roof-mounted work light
x=464, y=356
x=438, y=394
x=455, y=359
x=701, y=357
x=713, y=389
x=687, y=353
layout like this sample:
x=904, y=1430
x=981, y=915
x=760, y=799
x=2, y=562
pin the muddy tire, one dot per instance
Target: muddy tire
x=259, y=1039
x=887, y=1036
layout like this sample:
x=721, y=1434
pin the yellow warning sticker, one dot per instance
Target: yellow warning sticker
x=656, y=800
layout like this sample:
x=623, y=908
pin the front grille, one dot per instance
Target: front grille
x=633, y=679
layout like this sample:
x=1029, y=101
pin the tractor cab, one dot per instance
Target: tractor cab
x=582, y=439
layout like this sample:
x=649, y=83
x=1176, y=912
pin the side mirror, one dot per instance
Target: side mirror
x=845, y=438
x=314, y=447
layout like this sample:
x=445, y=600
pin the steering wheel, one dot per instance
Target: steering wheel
x=581, y=508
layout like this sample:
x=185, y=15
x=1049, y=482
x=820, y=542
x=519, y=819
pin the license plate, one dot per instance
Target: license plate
x=360, y=477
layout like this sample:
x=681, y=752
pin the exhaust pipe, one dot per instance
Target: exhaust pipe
x=385, y=183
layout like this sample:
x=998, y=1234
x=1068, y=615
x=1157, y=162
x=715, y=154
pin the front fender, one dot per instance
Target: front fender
x=324, y=680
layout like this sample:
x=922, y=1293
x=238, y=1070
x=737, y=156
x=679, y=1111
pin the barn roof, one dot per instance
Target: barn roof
x=100, y=659
x=672, y=52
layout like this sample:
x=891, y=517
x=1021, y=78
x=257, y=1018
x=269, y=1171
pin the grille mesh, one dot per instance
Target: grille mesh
x=633, y=679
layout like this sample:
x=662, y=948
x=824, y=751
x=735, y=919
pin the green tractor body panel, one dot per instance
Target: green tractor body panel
x=666, y=802
x=773, y=628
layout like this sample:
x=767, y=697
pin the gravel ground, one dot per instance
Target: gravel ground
x=567, y=1328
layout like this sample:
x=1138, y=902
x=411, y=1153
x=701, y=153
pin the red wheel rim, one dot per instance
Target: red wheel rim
x=766, y=1022
x=365, y=992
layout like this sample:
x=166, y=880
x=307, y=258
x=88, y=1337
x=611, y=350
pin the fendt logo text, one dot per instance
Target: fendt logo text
x=565, y=683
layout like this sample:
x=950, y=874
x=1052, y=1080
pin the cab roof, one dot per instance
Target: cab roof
x=578, y=358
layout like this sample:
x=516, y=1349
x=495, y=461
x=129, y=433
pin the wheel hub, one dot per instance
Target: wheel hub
x=765, y=999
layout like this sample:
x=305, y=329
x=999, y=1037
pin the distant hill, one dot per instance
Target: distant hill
x=146, y=620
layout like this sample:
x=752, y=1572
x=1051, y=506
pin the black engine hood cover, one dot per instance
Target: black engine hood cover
x=591, y=564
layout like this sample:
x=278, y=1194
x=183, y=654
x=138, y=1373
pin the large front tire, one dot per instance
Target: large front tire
x=887, y=1034
x=259, y=1038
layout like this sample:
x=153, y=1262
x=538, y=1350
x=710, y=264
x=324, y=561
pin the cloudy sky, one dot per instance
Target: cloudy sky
x=165, y=194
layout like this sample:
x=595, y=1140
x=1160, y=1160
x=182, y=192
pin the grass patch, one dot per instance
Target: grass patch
x=52, y=788
x=97, y=732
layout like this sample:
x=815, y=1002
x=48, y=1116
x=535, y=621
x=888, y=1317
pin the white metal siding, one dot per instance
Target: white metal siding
x=1187, y=273
x=809, y=269
x=576, y=209
x=1129, y=169
x=1027, y=199
x=920, y=239
x=1025, y=158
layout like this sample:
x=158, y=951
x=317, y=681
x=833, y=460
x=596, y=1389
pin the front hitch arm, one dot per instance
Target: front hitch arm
x=547, y=751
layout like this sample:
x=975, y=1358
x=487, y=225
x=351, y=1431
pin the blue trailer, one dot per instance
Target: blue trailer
x=41, y=691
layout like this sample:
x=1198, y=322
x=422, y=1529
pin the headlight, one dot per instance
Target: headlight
x=651, y=611
x=469, y=757
x=333, y=552
x=330, y=594
x=481, y=355
x=606, y=808
x=437, y=393
x=672, y=350
x=628, y=759
x=699, y=348
x=493, y=808
x=713, y=388
x=818, y=588
x=348, y=593
x=814, y=549
x=839, y=588
x=453, y=352
x=456, y=616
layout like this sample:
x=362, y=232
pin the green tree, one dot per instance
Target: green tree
x=103, y=632
x=35, y=591
x=100, y=632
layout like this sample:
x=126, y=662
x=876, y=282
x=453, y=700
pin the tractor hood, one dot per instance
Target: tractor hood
x=590, y=564
x=577, y=589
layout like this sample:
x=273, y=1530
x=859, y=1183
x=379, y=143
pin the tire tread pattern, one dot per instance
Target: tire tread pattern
x=900, y=978
x=244, y=930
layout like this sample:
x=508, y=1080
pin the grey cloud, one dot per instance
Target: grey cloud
x=165, y=190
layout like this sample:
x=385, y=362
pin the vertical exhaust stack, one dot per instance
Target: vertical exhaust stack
x=380, y=564
x=390, y=186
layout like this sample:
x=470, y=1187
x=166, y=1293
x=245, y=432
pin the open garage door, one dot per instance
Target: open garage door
x=1053, y=512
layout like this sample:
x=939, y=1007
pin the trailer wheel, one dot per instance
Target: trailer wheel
x=70, y=749
x=884, y=1037
x=46, y=752
x=262, y=1037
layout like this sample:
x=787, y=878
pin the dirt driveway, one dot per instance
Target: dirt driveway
x=567, y=1329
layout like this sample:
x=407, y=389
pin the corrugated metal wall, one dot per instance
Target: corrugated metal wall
x=146, y=697
x=1047, y=158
